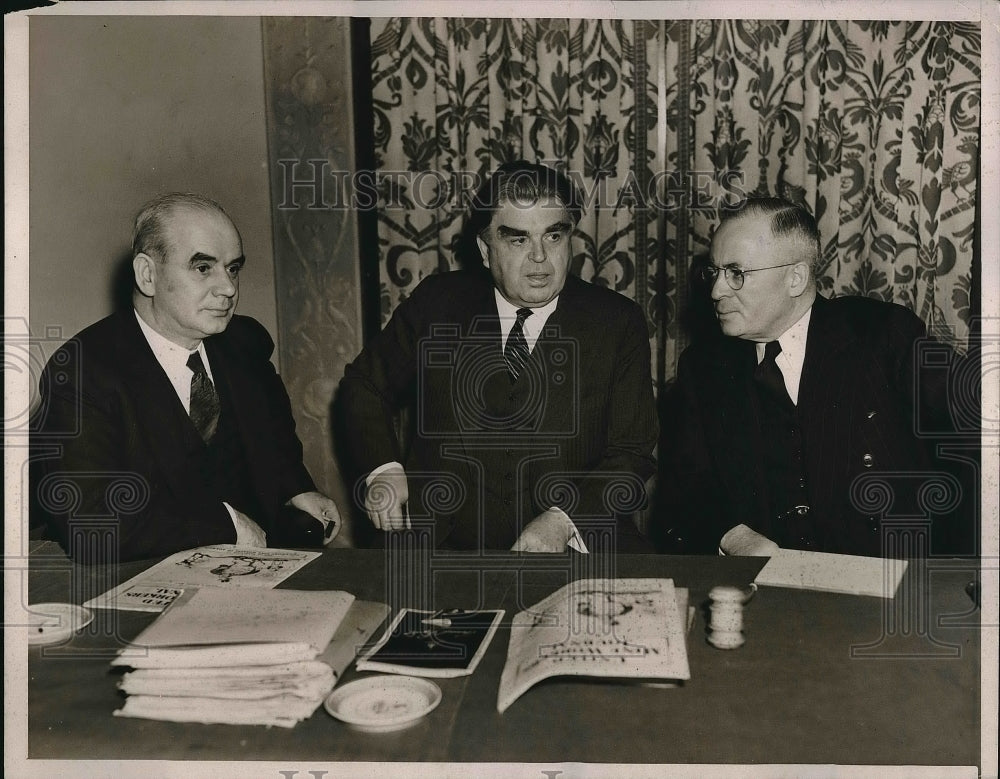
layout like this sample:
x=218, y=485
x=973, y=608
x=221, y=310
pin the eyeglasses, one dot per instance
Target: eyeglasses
x=733, y=273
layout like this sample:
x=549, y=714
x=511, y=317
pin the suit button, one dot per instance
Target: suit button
x=506, y=501
x=508, y=476
x=868, y=461
x=873, y=524
x=508, y=453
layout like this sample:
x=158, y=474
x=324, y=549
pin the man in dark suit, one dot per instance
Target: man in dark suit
x=533, y=411
x=166, y=423
x=793, y=424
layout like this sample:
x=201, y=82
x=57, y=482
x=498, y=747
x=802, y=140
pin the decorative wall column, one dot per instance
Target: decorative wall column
x=307, y=77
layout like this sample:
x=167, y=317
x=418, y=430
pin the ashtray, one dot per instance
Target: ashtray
x=52, y=623
x=378, y=704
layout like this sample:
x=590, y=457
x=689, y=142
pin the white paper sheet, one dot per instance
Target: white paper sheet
x=849, y=574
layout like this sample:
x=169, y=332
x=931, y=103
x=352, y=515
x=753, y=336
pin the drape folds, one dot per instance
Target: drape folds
x=872, y=125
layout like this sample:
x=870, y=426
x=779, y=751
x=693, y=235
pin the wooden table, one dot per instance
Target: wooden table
x=822, y=678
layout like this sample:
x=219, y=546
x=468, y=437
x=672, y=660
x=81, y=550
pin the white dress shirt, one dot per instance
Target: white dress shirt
x=793, y=354
x=173, y=359
x=533, y=325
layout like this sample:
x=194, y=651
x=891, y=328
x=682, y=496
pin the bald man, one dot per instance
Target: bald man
x=166, y=422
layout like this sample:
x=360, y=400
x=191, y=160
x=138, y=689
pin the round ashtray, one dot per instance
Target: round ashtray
x=381, y=703
x=52, y=623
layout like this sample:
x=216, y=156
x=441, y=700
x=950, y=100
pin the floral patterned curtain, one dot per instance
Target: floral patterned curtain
x=873, y=125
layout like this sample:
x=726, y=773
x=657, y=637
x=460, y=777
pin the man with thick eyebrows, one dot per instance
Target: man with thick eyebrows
x=533, y=420
x=165, y=426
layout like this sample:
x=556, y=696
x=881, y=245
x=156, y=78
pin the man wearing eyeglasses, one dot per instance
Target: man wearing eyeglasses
x=777, y=426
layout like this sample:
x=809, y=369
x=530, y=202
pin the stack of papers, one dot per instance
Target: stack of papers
x=216, y=656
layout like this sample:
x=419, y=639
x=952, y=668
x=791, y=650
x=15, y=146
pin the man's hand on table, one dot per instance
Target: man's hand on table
x=322, y=508
x=386, y=497
x=550, y=531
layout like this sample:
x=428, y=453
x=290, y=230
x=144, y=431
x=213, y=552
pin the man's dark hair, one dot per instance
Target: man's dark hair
x=522, y=182
x=787, y=218
x=149, y=236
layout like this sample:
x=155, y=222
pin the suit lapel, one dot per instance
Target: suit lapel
x=244, y=397
x=828, y=340
x=172, y=437
x=731, y=409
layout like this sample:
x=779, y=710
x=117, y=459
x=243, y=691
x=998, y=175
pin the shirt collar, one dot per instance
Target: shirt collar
x=533, y=325
x=171, y=356
x=793, y=340
x=508, y=310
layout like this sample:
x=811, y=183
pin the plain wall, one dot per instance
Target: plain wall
x=124, y=108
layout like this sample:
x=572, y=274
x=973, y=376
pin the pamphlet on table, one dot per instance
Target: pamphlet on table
x=220, y=565
x=631, y=628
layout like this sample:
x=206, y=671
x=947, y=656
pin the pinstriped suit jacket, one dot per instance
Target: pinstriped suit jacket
x=863, y=401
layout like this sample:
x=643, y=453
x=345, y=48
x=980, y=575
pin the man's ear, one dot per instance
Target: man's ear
x=483, y=250
x=144, y=268
x=798, y=279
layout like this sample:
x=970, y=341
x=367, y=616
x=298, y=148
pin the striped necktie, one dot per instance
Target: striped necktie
x=204, y=399
x=516, y=353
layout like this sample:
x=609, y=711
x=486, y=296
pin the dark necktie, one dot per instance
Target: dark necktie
x=516, y=353
x=769, y=375
x=204, y=399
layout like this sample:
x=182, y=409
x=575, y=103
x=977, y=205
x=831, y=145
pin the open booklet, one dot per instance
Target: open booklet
x=630, y=628
x=442, y=644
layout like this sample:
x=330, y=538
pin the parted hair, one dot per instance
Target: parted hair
x=787, y=219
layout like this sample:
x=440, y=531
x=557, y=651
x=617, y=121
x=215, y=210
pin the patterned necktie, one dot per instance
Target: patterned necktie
x=769, y=375
x=204, y=399
x=516, y=352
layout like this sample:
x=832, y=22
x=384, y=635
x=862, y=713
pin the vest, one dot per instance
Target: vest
x=224, y=465
x=782, y=462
